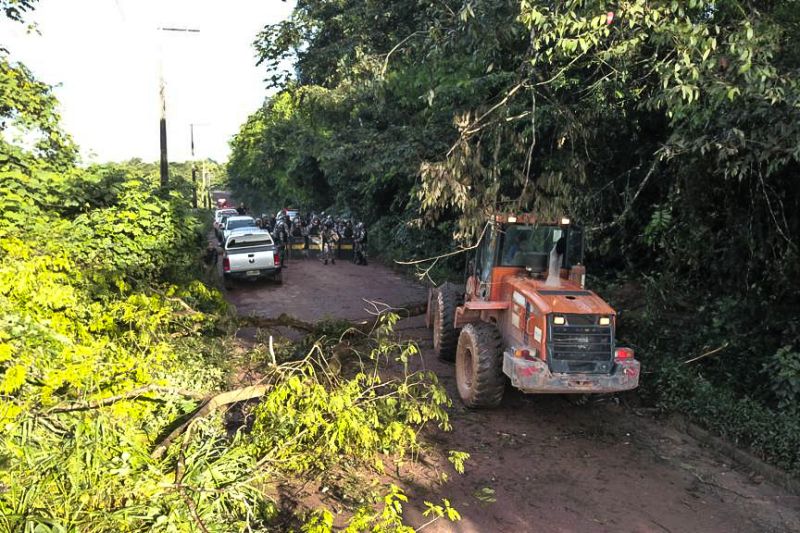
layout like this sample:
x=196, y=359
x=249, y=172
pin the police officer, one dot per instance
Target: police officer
x=347, y=230
x=280, y=235
x=360, y=244
x=296, y=232
x=329, y=240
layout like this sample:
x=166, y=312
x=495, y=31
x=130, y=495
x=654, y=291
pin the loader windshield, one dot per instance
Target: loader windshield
x=526, y=245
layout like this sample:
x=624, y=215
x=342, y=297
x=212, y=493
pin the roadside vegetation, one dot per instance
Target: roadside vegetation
x=113, y=356
x=668, y=129
x=118, y=364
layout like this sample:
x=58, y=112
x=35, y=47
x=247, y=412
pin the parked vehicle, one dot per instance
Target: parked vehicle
x=219, y=213
x=527, y=316
x=251, y=255
x=219, y=226
x=233, y=222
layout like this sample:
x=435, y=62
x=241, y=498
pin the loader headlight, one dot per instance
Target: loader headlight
x=559, y=320
x=605, y=321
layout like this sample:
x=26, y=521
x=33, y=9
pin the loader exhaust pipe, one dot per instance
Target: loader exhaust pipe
x=556, y=260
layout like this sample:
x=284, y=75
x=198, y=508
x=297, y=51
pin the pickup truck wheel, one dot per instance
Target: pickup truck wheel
x=445, y=335
x=479, y=366
x=278, y=278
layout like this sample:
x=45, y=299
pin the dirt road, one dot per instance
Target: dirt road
x=540, y=463
x=312, y=291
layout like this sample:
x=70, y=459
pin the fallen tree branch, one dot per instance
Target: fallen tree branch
x=207, y=407
x=415, y=309
x=283, y=320
x=193, y=510
x=707, y=354
x=448, y=254
x=135, y=394
x=178, y=300
x=405, y=311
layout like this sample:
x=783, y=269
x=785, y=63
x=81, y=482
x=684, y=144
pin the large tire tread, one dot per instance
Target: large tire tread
x=488, y=380
x=446, y=299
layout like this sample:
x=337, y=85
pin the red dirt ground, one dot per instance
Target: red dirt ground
x=541, y=463
x=312, y=291
x=557, y=467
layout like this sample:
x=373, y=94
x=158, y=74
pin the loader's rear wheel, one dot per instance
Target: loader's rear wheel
x=479, y=366
x=445, y=335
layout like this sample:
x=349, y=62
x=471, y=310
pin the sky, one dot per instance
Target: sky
x=103, y=56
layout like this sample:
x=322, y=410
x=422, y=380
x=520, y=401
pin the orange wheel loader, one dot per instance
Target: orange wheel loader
x=526, y=316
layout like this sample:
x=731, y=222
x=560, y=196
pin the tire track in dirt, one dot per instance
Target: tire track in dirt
x=556, y=466
x=539, y=463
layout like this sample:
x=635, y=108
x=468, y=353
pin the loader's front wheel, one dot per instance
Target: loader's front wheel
x=443, y=309
x=479, y=366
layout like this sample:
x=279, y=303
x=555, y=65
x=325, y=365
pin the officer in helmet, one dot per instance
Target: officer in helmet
x=280, y=235
x=360, y=244
x=296, y=231
x=329, y=240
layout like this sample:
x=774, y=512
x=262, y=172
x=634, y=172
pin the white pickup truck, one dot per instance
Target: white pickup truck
x=251, y=253
x=234, y=222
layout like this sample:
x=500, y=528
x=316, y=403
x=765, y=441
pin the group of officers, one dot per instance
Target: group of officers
x=330, y=230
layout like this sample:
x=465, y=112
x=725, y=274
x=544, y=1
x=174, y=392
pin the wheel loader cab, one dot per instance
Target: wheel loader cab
x=508, y=248
x=525, y=315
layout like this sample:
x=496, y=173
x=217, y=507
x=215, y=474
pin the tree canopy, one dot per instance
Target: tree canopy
x=669, y=129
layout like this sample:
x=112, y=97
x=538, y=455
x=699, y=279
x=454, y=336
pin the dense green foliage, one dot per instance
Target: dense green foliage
x=669, y=129
x=84, y=318
x=30, y=132
x=109, y=340
x=89, y=318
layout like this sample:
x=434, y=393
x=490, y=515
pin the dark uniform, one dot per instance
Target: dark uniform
x=296, y=232
x=280, y=235
x=360, y=244
x=211, y=255
x=347, y=230
x=329, y=240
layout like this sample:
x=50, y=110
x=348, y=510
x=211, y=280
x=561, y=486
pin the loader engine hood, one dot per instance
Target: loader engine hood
x=568, y=298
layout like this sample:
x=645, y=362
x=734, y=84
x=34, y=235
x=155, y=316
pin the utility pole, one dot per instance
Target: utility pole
x=163, y=117
x=194, y=169
x=206, y=187
x=194, y=163
x=162, y=123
